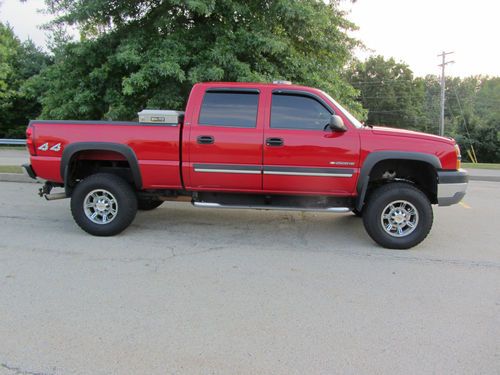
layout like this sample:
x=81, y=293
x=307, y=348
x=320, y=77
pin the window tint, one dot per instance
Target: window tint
x=298, y=112
x=229, y=109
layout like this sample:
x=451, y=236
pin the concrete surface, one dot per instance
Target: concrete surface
x=199, y=291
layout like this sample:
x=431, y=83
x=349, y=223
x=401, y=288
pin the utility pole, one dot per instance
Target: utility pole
x=443, y=82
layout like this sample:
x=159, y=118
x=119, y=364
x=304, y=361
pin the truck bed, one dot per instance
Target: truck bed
x=156, y=148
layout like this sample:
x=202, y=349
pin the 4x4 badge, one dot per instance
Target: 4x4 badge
x=45, y=147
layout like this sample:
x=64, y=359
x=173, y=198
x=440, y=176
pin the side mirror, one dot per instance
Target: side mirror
x=337, y=124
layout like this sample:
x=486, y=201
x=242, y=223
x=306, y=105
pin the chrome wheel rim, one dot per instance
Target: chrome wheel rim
x=100, y=206
x=399, y=218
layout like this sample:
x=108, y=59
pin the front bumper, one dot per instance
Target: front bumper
x=452, y=186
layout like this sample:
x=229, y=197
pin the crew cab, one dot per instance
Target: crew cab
x=249, y=145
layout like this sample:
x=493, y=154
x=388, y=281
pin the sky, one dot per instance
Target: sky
x=414, y=32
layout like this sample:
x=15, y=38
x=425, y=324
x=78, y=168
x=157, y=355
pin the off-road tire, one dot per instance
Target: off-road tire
x=378, y=204
x=122, y=195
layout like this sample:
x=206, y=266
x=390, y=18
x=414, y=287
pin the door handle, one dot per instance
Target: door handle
x=274, y=142
x=205, y=140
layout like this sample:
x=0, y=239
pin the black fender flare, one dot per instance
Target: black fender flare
x=374, y=157
x=72, y=149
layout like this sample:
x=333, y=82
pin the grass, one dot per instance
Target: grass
x=481, y=165
x=10, y=169
x=15, y=148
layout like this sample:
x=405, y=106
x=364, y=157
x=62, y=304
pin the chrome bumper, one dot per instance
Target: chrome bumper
x=452, y=186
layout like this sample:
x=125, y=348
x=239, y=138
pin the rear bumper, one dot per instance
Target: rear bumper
x=29, y=170
x=452, y=186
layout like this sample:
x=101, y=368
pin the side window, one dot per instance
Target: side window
x=298, y=112
x=238, y=109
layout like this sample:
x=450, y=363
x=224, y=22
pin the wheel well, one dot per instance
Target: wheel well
x=89, y=162
x=420, y=173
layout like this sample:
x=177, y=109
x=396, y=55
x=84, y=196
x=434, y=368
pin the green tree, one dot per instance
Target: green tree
x=474, y=113
x=135, y=54
x=389, y=92
x=9, y=47
x=18, y=62
x=394, y=97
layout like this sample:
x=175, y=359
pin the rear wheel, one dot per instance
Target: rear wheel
x=398, y=216
x=103, y=204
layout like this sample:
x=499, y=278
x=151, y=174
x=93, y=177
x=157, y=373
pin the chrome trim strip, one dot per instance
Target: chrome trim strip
x=218, y=205
x=311, y=174
x=274, y=170
x=239, y=171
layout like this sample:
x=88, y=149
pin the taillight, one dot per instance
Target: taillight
x=29, y=141
x=459, y=157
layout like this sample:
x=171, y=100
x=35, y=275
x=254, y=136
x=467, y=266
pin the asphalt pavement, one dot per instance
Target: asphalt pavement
x=200, y=291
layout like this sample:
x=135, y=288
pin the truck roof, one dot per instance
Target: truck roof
x=256, y=85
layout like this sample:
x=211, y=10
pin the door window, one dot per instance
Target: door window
x=236, y=109
x=298, y=112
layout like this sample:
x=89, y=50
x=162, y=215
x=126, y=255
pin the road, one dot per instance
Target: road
x=195, y=291
x=14, y=156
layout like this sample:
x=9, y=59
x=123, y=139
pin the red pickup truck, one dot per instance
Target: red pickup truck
x=249, y=145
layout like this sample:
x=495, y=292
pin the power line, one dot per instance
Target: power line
x=465, y=124
x=385, y=80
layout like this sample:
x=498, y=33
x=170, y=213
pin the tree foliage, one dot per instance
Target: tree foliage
x=389, y=91
x=148, y=53
x=473, y=115
x=18, y=62
x=395, y=98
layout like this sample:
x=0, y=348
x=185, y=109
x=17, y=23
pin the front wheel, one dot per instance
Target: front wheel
x=103, y=204
x=398, y=216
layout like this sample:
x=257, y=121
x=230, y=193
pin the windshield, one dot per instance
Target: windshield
x=344, y=111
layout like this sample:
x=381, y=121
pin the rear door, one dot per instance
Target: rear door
x=301, y=154
x=225, y=141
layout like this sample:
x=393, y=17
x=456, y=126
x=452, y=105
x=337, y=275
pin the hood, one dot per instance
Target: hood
x=386, y=131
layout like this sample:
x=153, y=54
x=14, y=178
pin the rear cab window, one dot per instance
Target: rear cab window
x=231, y=108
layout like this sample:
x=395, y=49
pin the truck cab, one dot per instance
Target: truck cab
x=267, y=139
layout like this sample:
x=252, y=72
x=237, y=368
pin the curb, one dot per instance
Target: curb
x=18, y=177
x=485, y=178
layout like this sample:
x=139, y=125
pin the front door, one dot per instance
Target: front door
x=301, y=154
x=225, y=142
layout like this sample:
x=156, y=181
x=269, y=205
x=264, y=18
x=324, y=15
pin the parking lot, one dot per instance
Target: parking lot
x=199, y=291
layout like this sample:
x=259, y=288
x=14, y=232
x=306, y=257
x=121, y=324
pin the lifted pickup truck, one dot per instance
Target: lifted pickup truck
x=249, y=145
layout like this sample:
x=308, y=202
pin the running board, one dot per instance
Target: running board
x=271, y=207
